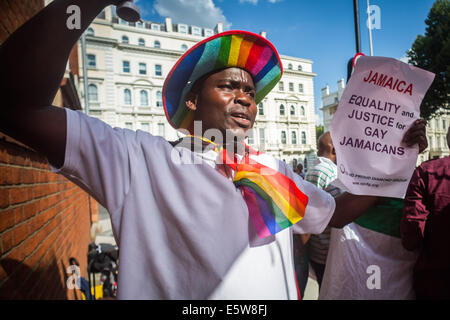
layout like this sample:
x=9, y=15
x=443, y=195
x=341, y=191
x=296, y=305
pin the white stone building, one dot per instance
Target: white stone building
x=128, y=62
x=436, y=127
x=330, y=101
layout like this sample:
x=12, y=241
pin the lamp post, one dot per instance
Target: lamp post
x=369, y=22
x=356, y=20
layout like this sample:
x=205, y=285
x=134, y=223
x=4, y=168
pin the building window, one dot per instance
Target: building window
x=300, y=68
x=157, y=44
x=302, y=110
x=102, y=15
x=300, y=87
x=283, y=137
x=92, y=92
x=125, y=40
x=294, y=137
x=129, y=125
x=292, y=110
x=161, y=129
x=159, y=99
x=141, y=42
x=126, y=66
x=145, y=126
x=184, y=47
x=158, y=70
x=91, y=62
x=290, y=66
x=196, y=31
x=303, y=137
x=291, y=86
x=123, y=21
x=282, y=110
x=142, y=68
x=208, y=32
x=444, y=125
x=156, y=27
x=127, y=96
x=182, y=28
x=261, y=109
x=251, y=139
x=139, y=24
x=144, y=98
x=262, y=138
x=281, y=86
x=90, y=32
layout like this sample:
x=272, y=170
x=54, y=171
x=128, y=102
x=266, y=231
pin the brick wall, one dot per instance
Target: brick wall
x=44, y=218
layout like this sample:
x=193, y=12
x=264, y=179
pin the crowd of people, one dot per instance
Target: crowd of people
x=207, y=216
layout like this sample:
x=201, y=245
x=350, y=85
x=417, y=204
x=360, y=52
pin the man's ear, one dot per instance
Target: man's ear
x=191, y=101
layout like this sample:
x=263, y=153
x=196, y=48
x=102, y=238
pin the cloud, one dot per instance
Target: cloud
x=255, y=2
x=404, y=59
x=202, y=13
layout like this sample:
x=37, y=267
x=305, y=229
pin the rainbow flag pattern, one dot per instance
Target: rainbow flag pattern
x=274, y=201
x=235, y=48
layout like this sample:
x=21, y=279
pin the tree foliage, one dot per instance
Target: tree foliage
x=432, y=52
x=319, y=131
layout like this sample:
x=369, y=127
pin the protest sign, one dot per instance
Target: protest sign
x=380, y=103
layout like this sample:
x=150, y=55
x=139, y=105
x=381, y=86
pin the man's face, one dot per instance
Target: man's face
x=225, y=101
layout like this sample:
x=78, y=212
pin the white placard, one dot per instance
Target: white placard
x=381, y=101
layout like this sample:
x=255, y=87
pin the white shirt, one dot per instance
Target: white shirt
x=183, y=229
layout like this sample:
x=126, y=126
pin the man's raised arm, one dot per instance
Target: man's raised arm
x=32, y=63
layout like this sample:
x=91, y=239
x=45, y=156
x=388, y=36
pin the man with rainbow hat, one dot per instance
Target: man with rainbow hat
x=203, y=217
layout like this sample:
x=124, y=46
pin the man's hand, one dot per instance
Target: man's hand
x=416, y=134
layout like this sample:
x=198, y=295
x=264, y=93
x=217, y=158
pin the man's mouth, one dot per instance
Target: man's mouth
x=241, y=119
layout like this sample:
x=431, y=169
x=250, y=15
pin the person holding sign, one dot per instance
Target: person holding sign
x=380, y=102
x=366, y=259
x=204, y=217
x=425, y=224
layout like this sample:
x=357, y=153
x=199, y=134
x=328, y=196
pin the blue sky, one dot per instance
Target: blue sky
x=319, y=30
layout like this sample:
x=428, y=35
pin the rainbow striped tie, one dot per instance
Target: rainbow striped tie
x=274, y=201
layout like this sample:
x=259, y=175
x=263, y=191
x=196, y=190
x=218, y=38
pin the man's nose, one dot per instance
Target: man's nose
x=242, y=98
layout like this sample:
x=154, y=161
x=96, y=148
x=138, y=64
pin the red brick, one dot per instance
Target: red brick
x=7, y=240
x=3, y=36
x=8, y=218
x=40, y=191
x=19, y=195
x=6, y=175
x=26, y=175
x=4, y=197
x=13, y=18
x=31, y=209
x=17, y=12
x=4, y=19
x=4, y=155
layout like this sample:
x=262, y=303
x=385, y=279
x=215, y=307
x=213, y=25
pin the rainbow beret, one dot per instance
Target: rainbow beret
x=234, y=48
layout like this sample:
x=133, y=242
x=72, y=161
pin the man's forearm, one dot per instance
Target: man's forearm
x=350, y=207
x=34, y=57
